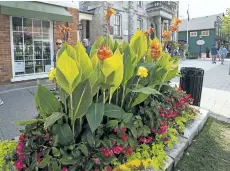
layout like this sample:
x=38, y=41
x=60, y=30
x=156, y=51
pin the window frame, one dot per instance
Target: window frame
x=204, y=31
x=140, y=4
x=141, y=23
x=116, y=25
x=28, y=76
x=191, y=34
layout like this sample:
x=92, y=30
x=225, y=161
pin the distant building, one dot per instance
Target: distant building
x=207, y=28
x=129, y=16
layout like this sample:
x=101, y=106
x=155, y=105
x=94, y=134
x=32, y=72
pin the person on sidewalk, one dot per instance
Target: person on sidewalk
x=214, y=53
x=59, y=45
x=223, y=54
x=86, y=45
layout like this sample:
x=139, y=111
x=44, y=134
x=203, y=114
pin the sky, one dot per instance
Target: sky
x=199, y=8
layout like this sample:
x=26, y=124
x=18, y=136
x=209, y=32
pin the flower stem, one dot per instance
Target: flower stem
x=123, y=96
x=71, y=113
x=104, y=96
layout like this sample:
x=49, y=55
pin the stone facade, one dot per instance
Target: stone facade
x=156, y=13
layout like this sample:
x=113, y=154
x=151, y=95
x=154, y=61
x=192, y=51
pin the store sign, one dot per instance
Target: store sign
x=19, y=66
x=200, y=42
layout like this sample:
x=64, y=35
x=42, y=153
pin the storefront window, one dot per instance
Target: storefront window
x=32, y=46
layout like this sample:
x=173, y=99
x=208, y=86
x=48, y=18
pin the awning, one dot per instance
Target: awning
x=35, y=10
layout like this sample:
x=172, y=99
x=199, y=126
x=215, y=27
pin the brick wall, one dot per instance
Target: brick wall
x=5, y=50
x=73, y=34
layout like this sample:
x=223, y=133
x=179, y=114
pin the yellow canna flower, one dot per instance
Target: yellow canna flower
x=52, y=74
x=142, y=72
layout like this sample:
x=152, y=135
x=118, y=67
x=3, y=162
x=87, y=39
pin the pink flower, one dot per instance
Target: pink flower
x=117, y=149
x=21, y=137
x=115, y=129
x=108, y=168
x=128, y=151
x=96, y=160
x=106, y=152
x=64, y=169
x=124, y=137
x=123, y=129
x=19, y=165
x=163, y=129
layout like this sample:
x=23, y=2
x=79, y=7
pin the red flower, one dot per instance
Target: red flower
x=145, y=140
x=124, y=137
x=128, y=151
x=123, y=129
x=21, y=137
x=19, y=165
x=162, y=113
x=64, y=169
x=96, y=160
x=117, y=149
x=163, y=129
x=108, y=168
x=179, y=89
x=106, y=152
x=115, y=129
x=38, y=157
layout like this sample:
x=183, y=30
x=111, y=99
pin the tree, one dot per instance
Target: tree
x=226, y=22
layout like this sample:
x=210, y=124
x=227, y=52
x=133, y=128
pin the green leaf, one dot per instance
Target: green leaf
x=63, y=134
x=91, y=138
x=116, y=45
x=147, y=90
x=84, y=149
x=127, y=117
x=68, y=73
x=82, y=99
x=139, y=99
x=52, y=119
x=68, y=161
x=129, y=67
x=139, y=44
x=28, y=122
x=112, y=124
x=95, y=115
x=45, y=161
x=84, y=60
x=56, y=152
x=113, y=111
x=134, y=132
x=46, y=102
x=54, y=166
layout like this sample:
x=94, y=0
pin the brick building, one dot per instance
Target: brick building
x=28, y=32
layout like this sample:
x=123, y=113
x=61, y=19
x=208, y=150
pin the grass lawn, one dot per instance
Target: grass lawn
x=210, y=151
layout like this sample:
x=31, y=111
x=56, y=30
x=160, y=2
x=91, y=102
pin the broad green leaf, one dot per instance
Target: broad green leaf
x=63, y=133
x=67, y=73
x=28, y=122
x=68, y=161
x=129, y=67
x=139, y=44
x=84, y=149
x=111, y=64
x=171, y=74
x=109, y=42
x=134, y=132
x=84, y=60
x=46, y=102
x=56, y=152
x=91, y=138
x=96, y=46
x=82, y=98
x=45, y=161
x=113, y=111
x=112, y=124
x=163, y=59
x=147, y=90
x=95, y=115
x=116, y=45
x=117, y=78
x=127, y=117
x=52, y=119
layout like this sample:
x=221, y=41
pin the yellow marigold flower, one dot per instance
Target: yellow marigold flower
x=52, y=74
x=142, y=72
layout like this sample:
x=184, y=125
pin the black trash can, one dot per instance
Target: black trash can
x=192, y=82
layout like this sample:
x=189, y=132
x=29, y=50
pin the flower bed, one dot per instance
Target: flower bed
x=115, y=110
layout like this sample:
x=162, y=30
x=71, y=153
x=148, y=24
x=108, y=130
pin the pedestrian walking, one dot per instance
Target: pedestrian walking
x=223, y=53
x=214, y=53
x=87, y=46
x=59, y=45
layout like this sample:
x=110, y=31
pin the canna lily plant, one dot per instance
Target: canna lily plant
x=93, y=121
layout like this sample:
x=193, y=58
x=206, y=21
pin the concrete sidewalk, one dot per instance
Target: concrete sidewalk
x=18, y=105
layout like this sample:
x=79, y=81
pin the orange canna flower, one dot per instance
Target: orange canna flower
x=177, y=21
x=146, y=33
x=155, y=49
x=103, y=53
x=166, y=34
x=108, y=13
x=174, y=28
x=151, y=30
